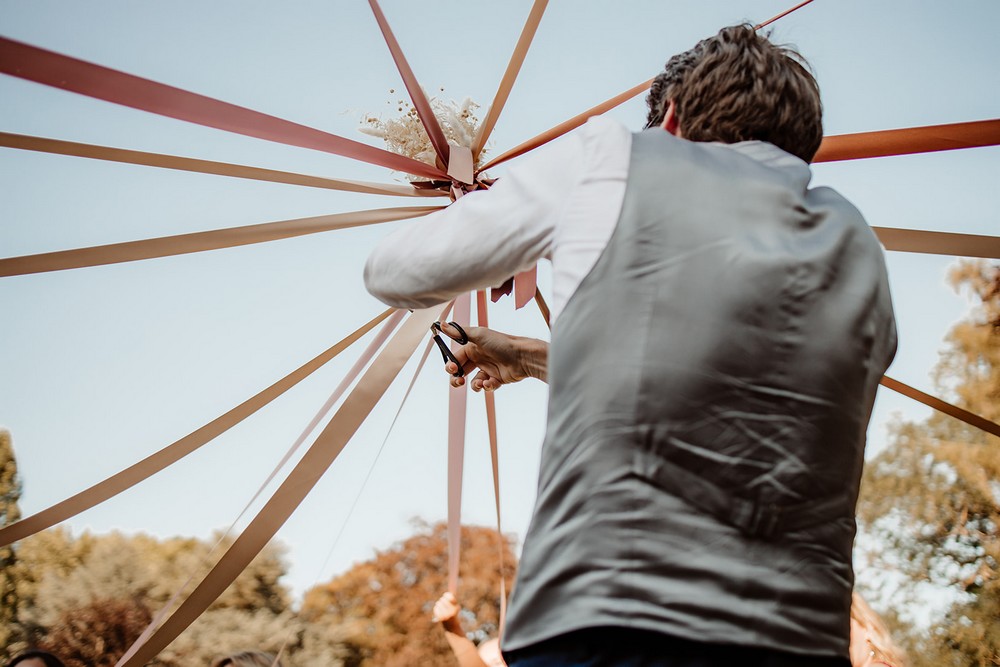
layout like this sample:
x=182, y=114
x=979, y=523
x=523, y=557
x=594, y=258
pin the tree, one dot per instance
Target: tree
x=930, y=503
x=98, y=633
x=88, y=598
x=10, y=494
x=385, y=603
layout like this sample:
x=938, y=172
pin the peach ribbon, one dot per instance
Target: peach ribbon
x=491, y=427
x=509, y=76
x=86, y=78
x=525, y=287
x=306, y=473
x=166, y=246
x=174, y=452
x=970, y=418
x=457, y=404
x=60, y=147
x=939, y=243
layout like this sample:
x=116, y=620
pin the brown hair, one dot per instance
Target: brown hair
x=738, y=86
x=246, y=659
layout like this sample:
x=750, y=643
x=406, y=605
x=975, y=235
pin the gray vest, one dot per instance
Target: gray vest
x=711, y=381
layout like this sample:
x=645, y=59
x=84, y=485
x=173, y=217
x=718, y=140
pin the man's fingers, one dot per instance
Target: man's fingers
x=472, y=333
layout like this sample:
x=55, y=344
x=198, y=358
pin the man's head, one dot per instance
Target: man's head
x=246, y=659
x=738, y=86
x=36, y=659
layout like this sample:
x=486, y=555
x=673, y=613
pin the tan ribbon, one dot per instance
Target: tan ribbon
x=491, y=427
x=352, y=374
x=781, y=15
x=970, y=418
x=457, y=404
x=291, y=632
x=167, y=246
x=509, y=76
x=296, y=486
x=420, y=103
x=568, y=125
x=543, y=308
x=939, y=243
x=103, y=83
x=59, y=147
x=579, y=120
x=909, y=140
x=174, y=452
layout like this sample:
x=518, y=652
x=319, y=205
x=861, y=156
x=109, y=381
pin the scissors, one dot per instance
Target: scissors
x=446, y=352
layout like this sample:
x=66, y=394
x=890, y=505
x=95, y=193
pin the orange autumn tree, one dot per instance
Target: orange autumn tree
x=384, y=604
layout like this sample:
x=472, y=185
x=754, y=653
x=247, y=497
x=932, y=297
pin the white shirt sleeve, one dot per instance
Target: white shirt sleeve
x=483, y=238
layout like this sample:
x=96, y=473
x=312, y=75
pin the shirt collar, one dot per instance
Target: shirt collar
x=772, y=156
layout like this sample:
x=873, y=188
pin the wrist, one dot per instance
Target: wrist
x=534, y=358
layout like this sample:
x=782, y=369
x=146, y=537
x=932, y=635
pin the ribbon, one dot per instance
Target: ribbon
x=457, y=403
x=103, y=83
x=509, y=76
x=174, y=452
x=543, y=308
x=781, y=15
x=907, y=141
x=167, y=246
x=290, y=633
x=607, y=105
x=420, y=103
x=525, y=287
x=970, y=418
x=59, y=147
x=491, y=427
x=303, y=477
x=568, y=125
x=352, y=374
x=939, y=243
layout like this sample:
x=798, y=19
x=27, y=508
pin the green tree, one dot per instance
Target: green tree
x=385, y=603
x=930, y=503
x=10, y=494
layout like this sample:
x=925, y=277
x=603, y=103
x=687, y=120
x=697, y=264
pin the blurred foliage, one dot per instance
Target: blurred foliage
x=386, y=603
x=87, y=598
x=97, y=633
x=930, y=502
x=10, y=494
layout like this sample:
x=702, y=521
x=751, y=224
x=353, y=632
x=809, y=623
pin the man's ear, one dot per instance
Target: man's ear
x=670, y=123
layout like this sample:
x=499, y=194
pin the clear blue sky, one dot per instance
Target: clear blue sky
x=100, y=367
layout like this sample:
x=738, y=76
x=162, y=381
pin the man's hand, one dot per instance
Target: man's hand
x=500, y=358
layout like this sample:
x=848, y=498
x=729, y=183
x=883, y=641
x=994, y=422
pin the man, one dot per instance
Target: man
x=719, y=332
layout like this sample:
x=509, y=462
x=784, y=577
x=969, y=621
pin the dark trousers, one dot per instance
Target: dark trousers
x=624, y=647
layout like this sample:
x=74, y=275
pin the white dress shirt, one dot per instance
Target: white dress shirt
x=560, y=202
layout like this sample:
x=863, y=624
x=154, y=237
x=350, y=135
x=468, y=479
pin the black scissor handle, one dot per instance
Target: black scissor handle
x=446, y=352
